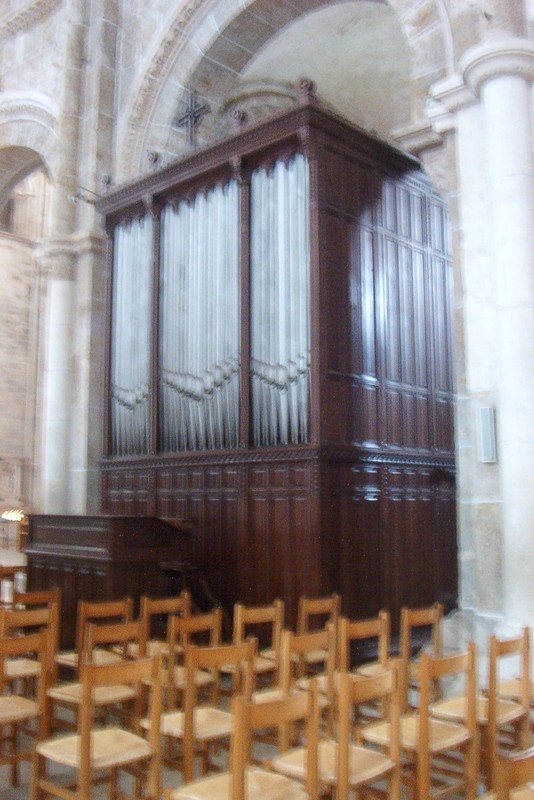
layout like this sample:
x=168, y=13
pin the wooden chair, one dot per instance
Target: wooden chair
x=204, y=629
x=428, y=619
x=121, y=638
x=374, y=631
x=14, y=622
x=315, y=613
x=428, y=743
x=345, y=764
x=263, y=622
x=200, y=726
x=18, y=711
x=42, y=599
x=156, y=611
x=371, y=632
x=110, y=749
x=300, y=645
x=294, y=671
x=246, y=782
x=508, y=718
x=515, y=777
x=502, y=722
x=105, y=611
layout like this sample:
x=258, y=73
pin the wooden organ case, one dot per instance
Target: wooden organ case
x=280, y=365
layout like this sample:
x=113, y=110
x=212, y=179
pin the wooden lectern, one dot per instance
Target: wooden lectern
x=103, y=558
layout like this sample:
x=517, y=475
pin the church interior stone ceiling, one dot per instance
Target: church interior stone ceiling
x=354, y=52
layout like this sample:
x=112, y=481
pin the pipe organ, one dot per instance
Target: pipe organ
x=279, y=364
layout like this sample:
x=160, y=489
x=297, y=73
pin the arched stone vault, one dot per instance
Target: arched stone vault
x=16, y=163
x=223, y=37
x=27, y=138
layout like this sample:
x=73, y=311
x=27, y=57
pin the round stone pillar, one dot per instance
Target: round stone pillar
x=57, y=384
x=501, y=74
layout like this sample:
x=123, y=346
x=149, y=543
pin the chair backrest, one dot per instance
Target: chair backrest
x=241, y=657
x=514, y=769
x=354, y=691
x=429, y=617
x=197, y=628
x=432, y=670
x=266, y=622
x=15, y=621
x=295, y=646
x=106, y=610
x=250, y=716
x=138, y=673
x=151, y=607
x=204, y=629
x=117, y=636
x=364, y=630
x=293, y=650
x=315, y=612
x=36, y=599
x=515, y=649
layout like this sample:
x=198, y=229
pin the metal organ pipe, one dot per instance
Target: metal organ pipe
x=280, y=266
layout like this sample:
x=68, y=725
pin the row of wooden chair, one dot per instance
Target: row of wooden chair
x=296, y=653
x=45, y=613
x=439, y=755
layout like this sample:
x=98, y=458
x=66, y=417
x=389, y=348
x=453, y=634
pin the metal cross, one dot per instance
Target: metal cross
x=192, y=116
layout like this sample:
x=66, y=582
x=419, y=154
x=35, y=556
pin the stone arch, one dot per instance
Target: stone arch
x=27, y=139
x=198, y=26
x=16, y=163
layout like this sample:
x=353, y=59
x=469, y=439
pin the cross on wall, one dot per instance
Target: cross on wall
x=192, y=116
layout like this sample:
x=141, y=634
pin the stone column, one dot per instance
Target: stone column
x=489, y=107
x=57, y=382
x=501, y=75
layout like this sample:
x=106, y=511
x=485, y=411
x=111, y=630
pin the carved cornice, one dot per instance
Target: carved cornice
x=346, y=454
x=31, y=14
x=284, y=127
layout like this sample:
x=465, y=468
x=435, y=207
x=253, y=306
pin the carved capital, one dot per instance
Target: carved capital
x=58, y=260
x=496, y=58
x=489, y=60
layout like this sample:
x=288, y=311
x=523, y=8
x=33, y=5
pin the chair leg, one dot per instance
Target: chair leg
x=113, y=785
x=12, y=739
x=473, y=768
x=35, y=790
